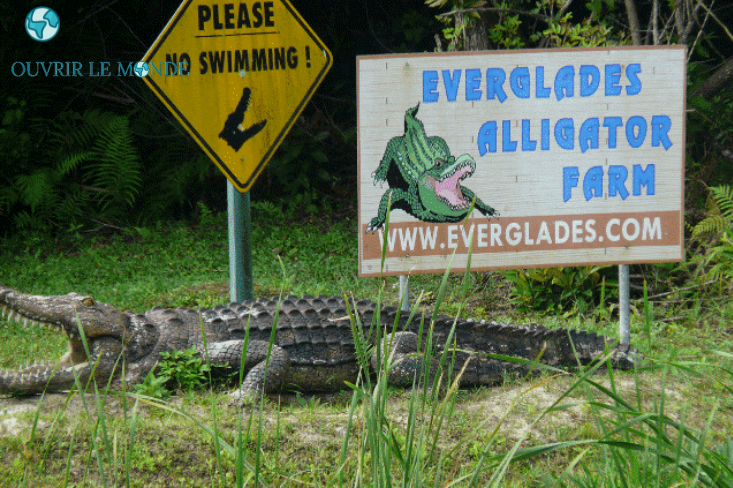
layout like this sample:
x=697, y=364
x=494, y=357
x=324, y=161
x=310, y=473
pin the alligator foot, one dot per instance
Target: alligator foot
x=398, y=354
x=625, y=357
x=267, y=367
x=239, y=398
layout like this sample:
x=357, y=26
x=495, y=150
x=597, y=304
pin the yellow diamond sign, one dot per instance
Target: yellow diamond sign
x=237, y=75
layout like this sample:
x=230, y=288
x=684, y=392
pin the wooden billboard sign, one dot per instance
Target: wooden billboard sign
x=570, y=157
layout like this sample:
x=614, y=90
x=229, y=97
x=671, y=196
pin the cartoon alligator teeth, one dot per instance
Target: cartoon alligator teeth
x=424, y=179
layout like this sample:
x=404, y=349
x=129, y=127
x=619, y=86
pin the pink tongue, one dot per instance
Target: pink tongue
x=450, y=190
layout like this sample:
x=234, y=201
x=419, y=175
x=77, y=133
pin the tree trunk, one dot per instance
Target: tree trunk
x=633, y=22
x=477, y=38
x=717, y=81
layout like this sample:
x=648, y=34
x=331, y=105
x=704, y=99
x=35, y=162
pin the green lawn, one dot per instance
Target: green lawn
x=665, y=425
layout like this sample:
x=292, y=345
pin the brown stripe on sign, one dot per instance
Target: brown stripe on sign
x=537, y=233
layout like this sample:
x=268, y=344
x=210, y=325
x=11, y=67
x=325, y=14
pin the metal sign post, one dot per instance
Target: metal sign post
x=623, y=305
x=240, y=252
x=405, y=293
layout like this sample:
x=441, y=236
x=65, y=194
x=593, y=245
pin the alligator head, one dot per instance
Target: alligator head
x=440, y=186
x=112, y=336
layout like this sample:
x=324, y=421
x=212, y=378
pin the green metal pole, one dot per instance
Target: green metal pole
x=240, y=251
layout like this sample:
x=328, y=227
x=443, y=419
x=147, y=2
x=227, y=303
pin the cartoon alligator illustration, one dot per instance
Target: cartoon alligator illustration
x=314, y=343
x=424, y=179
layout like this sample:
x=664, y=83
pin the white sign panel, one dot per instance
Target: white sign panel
x=569, y=157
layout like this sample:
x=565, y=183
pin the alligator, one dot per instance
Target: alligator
x=311, y=347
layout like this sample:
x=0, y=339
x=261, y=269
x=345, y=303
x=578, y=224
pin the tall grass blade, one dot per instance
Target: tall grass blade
x=214, y=415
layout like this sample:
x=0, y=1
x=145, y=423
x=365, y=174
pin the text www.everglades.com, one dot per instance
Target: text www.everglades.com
x=524, y=234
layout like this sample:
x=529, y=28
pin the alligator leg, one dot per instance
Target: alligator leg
x=261, y=375
x=479, y=205
x=404, y=362
x=397, y=196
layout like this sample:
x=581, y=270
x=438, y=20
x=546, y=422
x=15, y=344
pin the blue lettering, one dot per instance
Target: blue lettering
x=660, y=127
x=507, y=145
x=590, y=78
x=613, y=76
x=564, y=130
x=612, y=123
x=121, y=71
x=541, y=90
x=527, y=143
x=429, y=86
x=588, y=135
x=545, y=128
x=643, y=178
x=473, y=84
x=617, y=181
x=495, y=78
x=636, y=131
x=12, y=68
x=593, y=183
x=451, y=83
x=631, y=71
x=37, y=70
x=564, y=82
x=487, y=138
x=570, y=176
x=171, y=68
x=618, y=175
x=160, y=68
x=519, y=81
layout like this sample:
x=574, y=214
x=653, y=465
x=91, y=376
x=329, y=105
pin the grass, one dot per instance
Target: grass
x=666, y=425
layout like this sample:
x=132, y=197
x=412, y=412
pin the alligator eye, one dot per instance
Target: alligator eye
x=87, y=302
x=438, y=163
